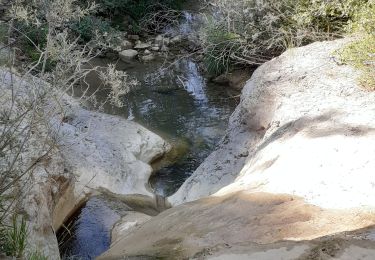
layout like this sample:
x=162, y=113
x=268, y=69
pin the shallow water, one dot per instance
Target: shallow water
x=92, y=231
x=176, y=102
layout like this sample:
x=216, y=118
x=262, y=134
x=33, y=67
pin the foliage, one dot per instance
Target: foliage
x=264, y=29
x=361, y=52
x=36, y=255
x=223, y=45
x=27, y=133
x=89, y=26
x=15, y=238
x=136, y=9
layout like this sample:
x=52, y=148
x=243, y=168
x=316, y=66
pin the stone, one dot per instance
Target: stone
x=176, y=39
x=133, y=37
x=128, y=55
x=126, y=45
x=142, y=45
x=148, y=58
x=159, y=40
x=147, y=52
x=155, y=48
x=164, y=48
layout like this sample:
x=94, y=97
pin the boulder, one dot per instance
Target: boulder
x=128, y=55
x=104, y=152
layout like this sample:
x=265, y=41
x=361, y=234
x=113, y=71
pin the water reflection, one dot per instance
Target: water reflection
x=178, y=104
x=91, y=227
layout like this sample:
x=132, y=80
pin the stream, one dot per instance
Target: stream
x=179, y=104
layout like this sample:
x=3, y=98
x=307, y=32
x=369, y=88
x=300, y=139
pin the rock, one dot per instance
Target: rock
x=166, y=41
x=164, y=48
x=235, y=79
x=293, y=178
x=238, y=223
x=147, y=52
x=95, y=152
x=127, y=224
x=133, y=37
x=159, y=40
x=126, y=45
x=303, y=120
x=148, y=58
x=142, y=45
x=103, y=157
x=155, y=48
x=176, y=39
x=128, y=55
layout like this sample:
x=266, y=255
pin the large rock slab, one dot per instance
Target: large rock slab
x=304, y=127
x=296, y=165
x=91, y=152
x=104, y=152
x=238, y=222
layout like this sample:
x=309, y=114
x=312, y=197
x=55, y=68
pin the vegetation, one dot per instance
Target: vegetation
x=251, y=32
x=361, y=52
x=27, y=135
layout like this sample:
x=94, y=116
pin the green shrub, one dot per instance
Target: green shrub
x=264, y=29
x=15, y=238
x=136, y=9
x=37, y=256
x=361, y=53
x=89, y=26
x=35, y=34
x=219, y=54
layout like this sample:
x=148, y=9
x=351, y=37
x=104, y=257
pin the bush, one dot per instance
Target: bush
x=361, y=53
x=136, y=9
x=15, y=238
x=88, y=26
x=265, y=29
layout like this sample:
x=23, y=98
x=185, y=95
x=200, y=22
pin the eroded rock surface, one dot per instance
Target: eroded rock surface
x=91, y=152
x=104, y=152
x=296, y=165
x=304, y=127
